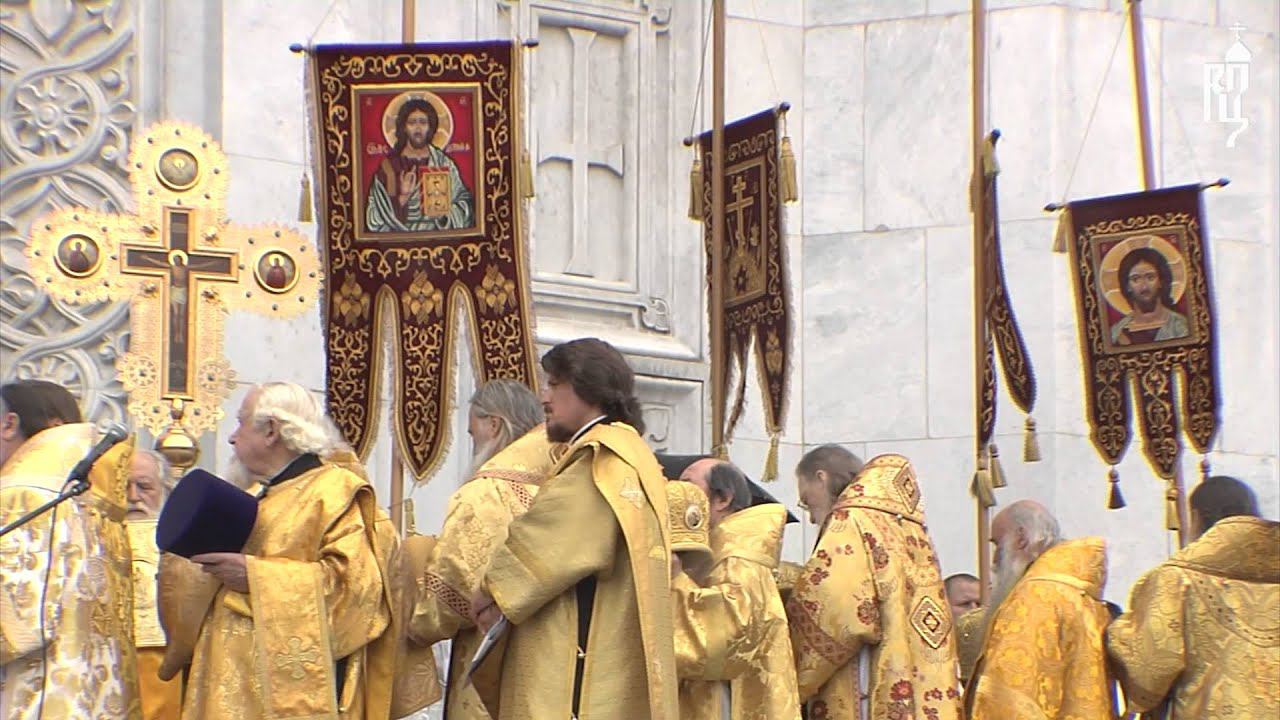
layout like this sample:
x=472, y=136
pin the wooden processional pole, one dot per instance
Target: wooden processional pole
x=979, y=103
x=717, y=228
x=407, y=21
x=1143, y=102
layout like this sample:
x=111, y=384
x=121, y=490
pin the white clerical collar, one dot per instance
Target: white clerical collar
x=583, y=430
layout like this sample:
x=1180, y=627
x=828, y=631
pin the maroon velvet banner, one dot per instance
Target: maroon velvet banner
x=419, y=217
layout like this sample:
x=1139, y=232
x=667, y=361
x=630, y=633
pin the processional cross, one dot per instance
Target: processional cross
x=182, y=266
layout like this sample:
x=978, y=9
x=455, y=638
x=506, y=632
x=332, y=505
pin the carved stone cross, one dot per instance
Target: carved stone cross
x=580, y=154
x=181, y=266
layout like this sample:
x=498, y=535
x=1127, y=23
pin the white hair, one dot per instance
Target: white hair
x=163, y=470
x=1039, y=527
x=303, y=425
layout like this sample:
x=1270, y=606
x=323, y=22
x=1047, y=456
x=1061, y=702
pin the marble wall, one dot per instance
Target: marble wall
x=880, y=241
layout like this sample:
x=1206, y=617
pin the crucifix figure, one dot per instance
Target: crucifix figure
x=581, y=154
x=181, y=266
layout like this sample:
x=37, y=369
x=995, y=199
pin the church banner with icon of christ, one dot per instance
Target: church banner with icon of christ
x=419, y=213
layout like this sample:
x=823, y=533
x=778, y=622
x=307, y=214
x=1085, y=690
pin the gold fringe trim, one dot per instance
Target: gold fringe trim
x=997, y=471
x=787, y=173
x=1115, y=500
x=1030, y=442
x=306, y=212
x=770, y=472
x=526, y=175
x=1171, y=519
x=1062, y=235
x=695, y=191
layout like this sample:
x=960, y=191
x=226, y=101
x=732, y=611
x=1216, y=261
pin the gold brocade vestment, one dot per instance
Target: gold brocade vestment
x=745, y=547
x=1043, y=657
x=476, y=523
x=320, y=612
x=77, y=652
x=1203, y=628
x=870, y=604
x=161, y=699
x=601, y=514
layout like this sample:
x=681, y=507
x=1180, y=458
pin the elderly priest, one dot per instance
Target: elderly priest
x=300, y=621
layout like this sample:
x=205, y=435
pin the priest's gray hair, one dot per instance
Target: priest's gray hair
x=514, y=405
x=1038, y=526
x=303, y=424
x=163, y=472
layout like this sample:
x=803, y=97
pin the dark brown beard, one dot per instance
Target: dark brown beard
x=558, y=433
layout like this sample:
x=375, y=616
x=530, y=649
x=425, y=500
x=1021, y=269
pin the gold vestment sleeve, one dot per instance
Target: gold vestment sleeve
x=1146, y=644
x=568, y=534
x=715, y=637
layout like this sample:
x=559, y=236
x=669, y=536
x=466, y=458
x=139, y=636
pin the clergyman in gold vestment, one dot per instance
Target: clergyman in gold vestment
x=501, y=490
x=148, y=483
x=1043, y=656
x=303, y=623
x=869, y=618
x=740, y=598
x=1202, y=632
x=584, y=575
x=66, y=625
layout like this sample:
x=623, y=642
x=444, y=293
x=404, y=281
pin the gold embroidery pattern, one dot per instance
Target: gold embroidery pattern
x=930, y=622
x=295, y=659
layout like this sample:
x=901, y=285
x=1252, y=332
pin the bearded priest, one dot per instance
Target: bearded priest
x=303, y=622
x=584, y=575
x=870, y=625
x=1043, y=657
x=513, y=456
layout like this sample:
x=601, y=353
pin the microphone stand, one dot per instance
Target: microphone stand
x=73, y=487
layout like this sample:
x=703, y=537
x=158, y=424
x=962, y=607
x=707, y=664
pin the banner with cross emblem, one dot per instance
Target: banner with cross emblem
x=182, y=266
x=756, y=304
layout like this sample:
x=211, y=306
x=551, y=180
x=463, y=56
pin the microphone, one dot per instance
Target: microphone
x=114, y=435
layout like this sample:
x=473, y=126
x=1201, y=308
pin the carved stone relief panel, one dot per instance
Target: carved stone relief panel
x=607, y=110
x=68, y=81
x=671, y=408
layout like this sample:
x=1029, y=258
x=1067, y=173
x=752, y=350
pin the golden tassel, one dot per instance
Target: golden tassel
x=1115, y=500
x=1062, y=235
x=981, y=487
x=1171, y=519
x=526, y=175
x=1030, y=442
x=410, y=518
x=695, y=190
x=305, y=212
x=770, y=472
x=787, y=173
x=997, y=472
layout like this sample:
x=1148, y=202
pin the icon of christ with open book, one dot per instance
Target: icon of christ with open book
x=417, y=186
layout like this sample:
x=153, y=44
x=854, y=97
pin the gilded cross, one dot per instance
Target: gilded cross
x=738, y=206
x=181, y=266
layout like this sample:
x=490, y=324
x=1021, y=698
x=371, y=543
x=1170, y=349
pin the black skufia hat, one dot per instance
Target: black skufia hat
x=674, y=465
x=205, y=514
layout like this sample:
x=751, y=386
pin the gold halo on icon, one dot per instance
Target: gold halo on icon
x=275, y=272
x=78, y=255
x=444, y=130
x=178, y=169
x=1109, y=273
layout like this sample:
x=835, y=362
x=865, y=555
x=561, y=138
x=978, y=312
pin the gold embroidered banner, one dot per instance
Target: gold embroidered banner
x=1145, y=308
x=1002, y=331
x=419, y=215
x=756, y=306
